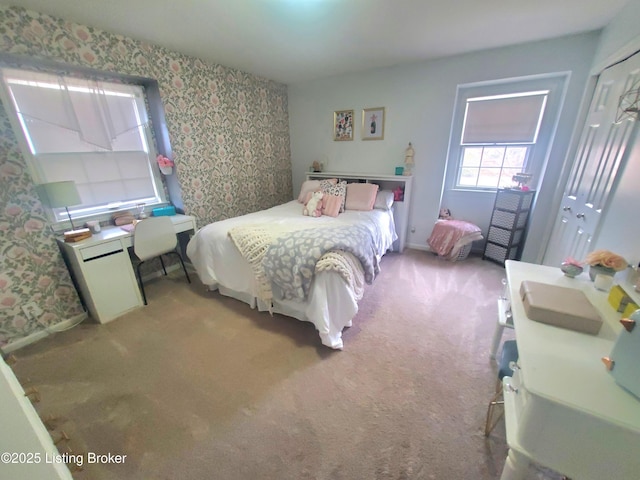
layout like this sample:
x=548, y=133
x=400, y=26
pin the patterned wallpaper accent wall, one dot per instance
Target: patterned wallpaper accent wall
x=229, y=133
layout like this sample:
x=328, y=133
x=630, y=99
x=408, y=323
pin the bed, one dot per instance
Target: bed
x=329, y=299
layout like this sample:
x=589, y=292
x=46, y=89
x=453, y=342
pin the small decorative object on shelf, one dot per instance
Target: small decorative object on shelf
x=571, y=268
x=141, y=213
x=522, y=179
x=604, y=262
x=165, y=164
x=409, y=153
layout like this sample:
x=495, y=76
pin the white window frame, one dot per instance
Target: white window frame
x=505, y=144
x=58, y=216
x=537, y=155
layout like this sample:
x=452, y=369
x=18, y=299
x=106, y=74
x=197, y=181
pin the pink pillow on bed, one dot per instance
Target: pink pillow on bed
x=308, y=187
x=361, y=196
x=313, y=185
x=331, y=205
x=337, y=190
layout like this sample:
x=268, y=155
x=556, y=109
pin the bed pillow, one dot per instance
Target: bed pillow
x=338, y=190
x=331, y=205
x=384, y=200
x=361, y=196
x=313, y=185
x=308, y=187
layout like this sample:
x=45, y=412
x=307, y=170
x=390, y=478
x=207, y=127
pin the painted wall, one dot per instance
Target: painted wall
x=419, y=100
x=228, y=129
x=620, y=35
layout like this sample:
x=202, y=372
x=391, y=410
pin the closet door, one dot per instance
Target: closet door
x=600, y=154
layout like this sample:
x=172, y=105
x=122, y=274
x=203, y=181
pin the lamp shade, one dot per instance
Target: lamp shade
x=59, y=194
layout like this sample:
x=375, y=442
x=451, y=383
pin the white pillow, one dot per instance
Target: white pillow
x=384, y=200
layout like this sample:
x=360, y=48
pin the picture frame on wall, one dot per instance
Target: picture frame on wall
x=373, y=123
x=343, y=125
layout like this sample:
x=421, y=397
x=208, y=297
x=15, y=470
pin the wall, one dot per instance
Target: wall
x=619, y=38
x=228, y=129
x=419, y=100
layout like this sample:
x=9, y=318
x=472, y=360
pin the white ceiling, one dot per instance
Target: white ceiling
x=297, y=40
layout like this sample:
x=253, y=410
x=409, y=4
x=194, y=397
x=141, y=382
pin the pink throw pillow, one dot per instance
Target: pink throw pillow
x=312, y=186
x=331, y=205
x=308, y=187
x=361, y=196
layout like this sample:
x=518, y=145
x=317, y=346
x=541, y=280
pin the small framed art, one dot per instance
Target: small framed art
x=373, y=123
x=343, y=125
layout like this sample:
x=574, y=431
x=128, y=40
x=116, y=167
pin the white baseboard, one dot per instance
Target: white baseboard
x=418, y=246
x=40, y=334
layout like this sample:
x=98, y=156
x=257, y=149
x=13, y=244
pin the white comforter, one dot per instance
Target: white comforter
x=331, y=303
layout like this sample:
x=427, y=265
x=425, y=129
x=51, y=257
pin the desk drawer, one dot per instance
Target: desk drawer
x=96, y=251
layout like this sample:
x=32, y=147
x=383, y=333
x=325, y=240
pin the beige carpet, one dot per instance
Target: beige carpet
x=199, y=386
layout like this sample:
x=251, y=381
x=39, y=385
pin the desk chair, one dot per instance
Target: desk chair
x=509, y=354
x=154, y=237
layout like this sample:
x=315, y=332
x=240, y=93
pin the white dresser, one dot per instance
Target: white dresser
x=563, y=409
x=385, y=182
x=25, y=444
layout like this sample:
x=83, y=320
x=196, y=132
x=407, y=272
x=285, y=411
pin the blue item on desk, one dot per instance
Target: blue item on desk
x=625, y=355
x=164, y=211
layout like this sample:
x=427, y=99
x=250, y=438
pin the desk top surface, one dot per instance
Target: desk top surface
x=565, y=366
x=114, y=232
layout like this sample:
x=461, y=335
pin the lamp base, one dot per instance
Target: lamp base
x=77, y=235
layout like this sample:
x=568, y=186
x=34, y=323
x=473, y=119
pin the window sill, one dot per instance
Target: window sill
x=474, y=190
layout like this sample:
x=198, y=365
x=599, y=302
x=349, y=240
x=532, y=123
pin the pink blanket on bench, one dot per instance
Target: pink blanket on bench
x=449, y=236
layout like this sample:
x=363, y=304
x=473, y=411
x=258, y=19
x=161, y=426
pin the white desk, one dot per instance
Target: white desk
x=102, y=270
x=567, y=413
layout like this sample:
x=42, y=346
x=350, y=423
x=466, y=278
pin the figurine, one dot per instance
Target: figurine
x=408, y=159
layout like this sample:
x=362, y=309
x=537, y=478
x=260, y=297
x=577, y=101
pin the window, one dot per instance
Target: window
x=92, y=132
x=498, y=135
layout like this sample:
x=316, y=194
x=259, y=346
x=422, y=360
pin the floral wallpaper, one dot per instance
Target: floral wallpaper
x=228, y=130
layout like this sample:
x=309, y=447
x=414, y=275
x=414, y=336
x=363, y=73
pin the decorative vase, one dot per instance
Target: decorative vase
x=571, y=270
x=600, y=270
x=166, y=170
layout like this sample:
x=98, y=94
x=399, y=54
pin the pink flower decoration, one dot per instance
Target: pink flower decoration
x=164, y=161
x=607, y=259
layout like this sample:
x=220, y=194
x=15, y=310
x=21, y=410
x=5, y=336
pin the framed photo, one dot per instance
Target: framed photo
x=343, y=125
x=373, y=123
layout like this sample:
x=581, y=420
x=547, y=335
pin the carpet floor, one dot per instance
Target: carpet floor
x=199, y=386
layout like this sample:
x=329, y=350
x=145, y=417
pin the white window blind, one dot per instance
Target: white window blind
x=94, y=133
x=504, y=119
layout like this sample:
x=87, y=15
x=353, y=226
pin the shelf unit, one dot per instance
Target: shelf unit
x=508, y=226
x=385, y=182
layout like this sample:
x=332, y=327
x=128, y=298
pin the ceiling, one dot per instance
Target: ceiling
x=293, y=41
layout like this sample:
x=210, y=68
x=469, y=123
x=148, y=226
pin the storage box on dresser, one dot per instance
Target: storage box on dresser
x=508, y=226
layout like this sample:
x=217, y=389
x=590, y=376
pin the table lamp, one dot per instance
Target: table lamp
x=63, y=194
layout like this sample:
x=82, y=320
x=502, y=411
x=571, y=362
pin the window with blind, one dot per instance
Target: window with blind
x=94, y=133
x=498, y=134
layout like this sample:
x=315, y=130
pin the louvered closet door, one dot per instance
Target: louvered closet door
x=599, y=156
